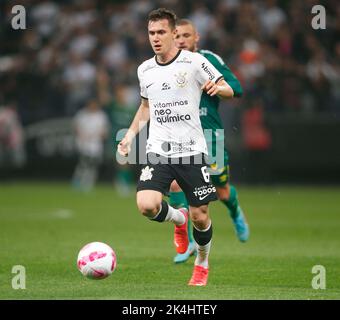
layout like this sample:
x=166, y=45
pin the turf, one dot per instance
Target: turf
x=43, y=226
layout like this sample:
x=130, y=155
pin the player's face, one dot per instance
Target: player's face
x=161, y=36
x=186, y=37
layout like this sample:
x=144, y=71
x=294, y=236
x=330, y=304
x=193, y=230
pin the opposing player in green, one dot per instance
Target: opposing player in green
x=187, y=38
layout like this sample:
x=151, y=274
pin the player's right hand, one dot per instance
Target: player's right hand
x=124, y=147
x=211, y=88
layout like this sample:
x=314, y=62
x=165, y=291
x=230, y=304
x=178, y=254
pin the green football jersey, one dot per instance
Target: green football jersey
x=209, y=115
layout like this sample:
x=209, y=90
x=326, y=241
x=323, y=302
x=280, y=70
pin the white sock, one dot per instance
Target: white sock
x=203, y=255
x=203, y=251
x=175, y=216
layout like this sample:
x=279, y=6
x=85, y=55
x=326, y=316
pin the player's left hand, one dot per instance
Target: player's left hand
x=211, y=88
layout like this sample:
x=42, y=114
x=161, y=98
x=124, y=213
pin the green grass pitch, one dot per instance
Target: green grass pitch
x=43, y=226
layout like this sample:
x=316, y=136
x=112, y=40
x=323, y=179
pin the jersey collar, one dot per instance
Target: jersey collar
x=169, y=62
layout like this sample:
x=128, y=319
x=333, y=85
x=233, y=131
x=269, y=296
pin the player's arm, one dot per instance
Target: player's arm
x=221, y=88
x=228, y=75
x=141, y=118
x=232, y=80
x=210, y=78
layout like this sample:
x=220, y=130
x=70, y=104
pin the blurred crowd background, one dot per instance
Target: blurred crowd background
x=289, y=71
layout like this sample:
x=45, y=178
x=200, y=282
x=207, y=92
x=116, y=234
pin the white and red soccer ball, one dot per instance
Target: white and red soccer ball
x=96, y=260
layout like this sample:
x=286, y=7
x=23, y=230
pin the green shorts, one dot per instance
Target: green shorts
x=219, y=159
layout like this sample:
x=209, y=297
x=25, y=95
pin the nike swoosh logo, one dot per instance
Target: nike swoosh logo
x=201, y=198
x=149, y=85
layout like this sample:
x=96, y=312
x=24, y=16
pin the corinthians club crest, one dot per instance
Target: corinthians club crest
x=146, y=173
x=181, y=79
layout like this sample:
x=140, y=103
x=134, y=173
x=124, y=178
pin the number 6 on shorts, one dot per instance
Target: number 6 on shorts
x=205, y=173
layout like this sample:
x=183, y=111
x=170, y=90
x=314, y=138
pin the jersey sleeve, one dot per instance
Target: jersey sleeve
x=228, y=75
x=205, y=70
x=143, y=91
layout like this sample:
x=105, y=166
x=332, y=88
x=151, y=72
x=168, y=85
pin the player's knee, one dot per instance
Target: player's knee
x=223, y=193
x=199, y=216
x=149, y=202
x=148, y=208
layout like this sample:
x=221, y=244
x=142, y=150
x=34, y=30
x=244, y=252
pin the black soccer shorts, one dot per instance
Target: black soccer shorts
x=190, y=173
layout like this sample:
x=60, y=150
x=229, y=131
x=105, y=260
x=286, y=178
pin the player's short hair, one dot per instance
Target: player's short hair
x=184, y=22
x=162, y=13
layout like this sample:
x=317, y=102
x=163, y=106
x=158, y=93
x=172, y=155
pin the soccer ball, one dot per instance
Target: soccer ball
x=96, y=260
